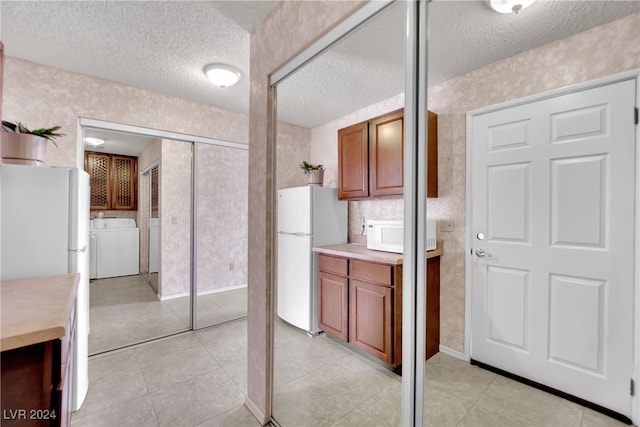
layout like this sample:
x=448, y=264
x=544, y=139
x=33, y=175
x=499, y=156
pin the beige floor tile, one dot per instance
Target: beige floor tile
x=325, y=395
x=443, y=408
x=226, y=342
x=507, y=402
x=591, y=418
x=192, y=402
x=237, y=417
x=457, y=377
x=116, y=363
x=238, y=373
x=162, y=347
x=138, y=412
x=357, y=418
x=385, y=405
x=176, y=367
x=199, y=378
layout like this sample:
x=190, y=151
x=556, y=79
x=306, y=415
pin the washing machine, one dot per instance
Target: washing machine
x=117, y=248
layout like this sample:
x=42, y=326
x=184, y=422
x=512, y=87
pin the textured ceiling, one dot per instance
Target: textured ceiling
x=163, y=46
x=367, y=67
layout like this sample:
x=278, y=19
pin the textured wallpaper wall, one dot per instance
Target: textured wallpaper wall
x=222, y=188
x=59, y=97
x=175, y=219
x=572, y=60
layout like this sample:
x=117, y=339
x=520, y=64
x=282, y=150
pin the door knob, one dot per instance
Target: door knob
x=480, y=253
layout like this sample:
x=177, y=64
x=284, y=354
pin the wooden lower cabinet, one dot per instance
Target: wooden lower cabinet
x=333, y=300
x=371, y=319
x=36, y=382
x=432, y=341
x=360, y=303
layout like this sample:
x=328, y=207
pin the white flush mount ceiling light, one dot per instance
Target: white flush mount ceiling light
x=222, y=75
x=509, y=6
x=94, y=142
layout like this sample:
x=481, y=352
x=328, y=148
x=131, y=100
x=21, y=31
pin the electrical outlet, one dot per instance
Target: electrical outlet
x=446, y=225
x=232, y=265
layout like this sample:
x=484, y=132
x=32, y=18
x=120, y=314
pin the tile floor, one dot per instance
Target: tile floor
x=199, y=379
x=125, y=310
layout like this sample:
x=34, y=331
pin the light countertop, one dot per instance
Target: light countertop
x=35, y=310
x=360, y=251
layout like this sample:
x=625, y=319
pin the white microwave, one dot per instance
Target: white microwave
x=388, y=235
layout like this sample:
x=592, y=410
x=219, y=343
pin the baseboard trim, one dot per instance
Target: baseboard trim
x=257, y=413
x=453, y=353
x=562, y=394
x=214, y=291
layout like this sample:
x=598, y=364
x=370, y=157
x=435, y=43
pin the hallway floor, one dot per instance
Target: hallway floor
x=199, y=379
x=125, y=310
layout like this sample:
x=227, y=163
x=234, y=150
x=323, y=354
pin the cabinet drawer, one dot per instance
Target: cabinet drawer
x=370, y=272
x=333, y=265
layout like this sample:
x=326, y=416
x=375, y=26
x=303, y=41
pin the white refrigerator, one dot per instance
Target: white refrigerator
x=307, y=217
x=45, y=232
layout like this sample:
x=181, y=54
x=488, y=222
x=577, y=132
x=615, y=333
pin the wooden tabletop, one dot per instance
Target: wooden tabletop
x=360, y=251
x=35, y=310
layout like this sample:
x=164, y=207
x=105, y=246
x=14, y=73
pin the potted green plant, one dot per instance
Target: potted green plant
x=314, y=172
x=24, y=146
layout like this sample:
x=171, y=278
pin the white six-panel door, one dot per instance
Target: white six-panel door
x=553, y=198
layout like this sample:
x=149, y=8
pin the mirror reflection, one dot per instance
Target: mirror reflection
x=141, y=251
x=337, y=339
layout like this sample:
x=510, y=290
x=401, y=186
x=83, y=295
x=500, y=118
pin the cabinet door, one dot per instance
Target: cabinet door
x=124, y=182
x=370, y=319
x=333, y=300
x=386, y=150
x=432, y=339
x=353, y=162
x=98, y=166
x=432, y=149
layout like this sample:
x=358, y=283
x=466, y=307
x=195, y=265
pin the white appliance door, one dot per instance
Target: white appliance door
x=294, y=210
x=294, y=280
x=35, y=221
x=79, y=262
x=118, y=252
x=329, y=216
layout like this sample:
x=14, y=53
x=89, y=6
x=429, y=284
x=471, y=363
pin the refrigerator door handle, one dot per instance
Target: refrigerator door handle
x=293, y=234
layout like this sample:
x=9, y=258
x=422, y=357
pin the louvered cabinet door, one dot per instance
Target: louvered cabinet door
x=98, y=167
x=124, y=172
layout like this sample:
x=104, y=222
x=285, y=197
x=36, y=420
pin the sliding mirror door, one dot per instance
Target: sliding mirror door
x=150, y=299
x=344, y=375
x=221, y=194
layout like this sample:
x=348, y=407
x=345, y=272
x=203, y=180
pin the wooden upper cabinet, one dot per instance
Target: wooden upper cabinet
x=125, y=176
x=371, y=157
x=353, y=161
x=386, y=145
x=113, y=180
x=97, y=166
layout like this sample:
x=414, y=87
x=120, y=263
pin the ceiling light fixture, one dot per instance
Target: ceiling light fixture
x=509, y=6
x=94, y=142
x=222, y=75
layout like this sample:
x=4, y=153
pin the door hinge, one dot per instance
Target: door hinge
x=632, y=387
x=636, y=115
